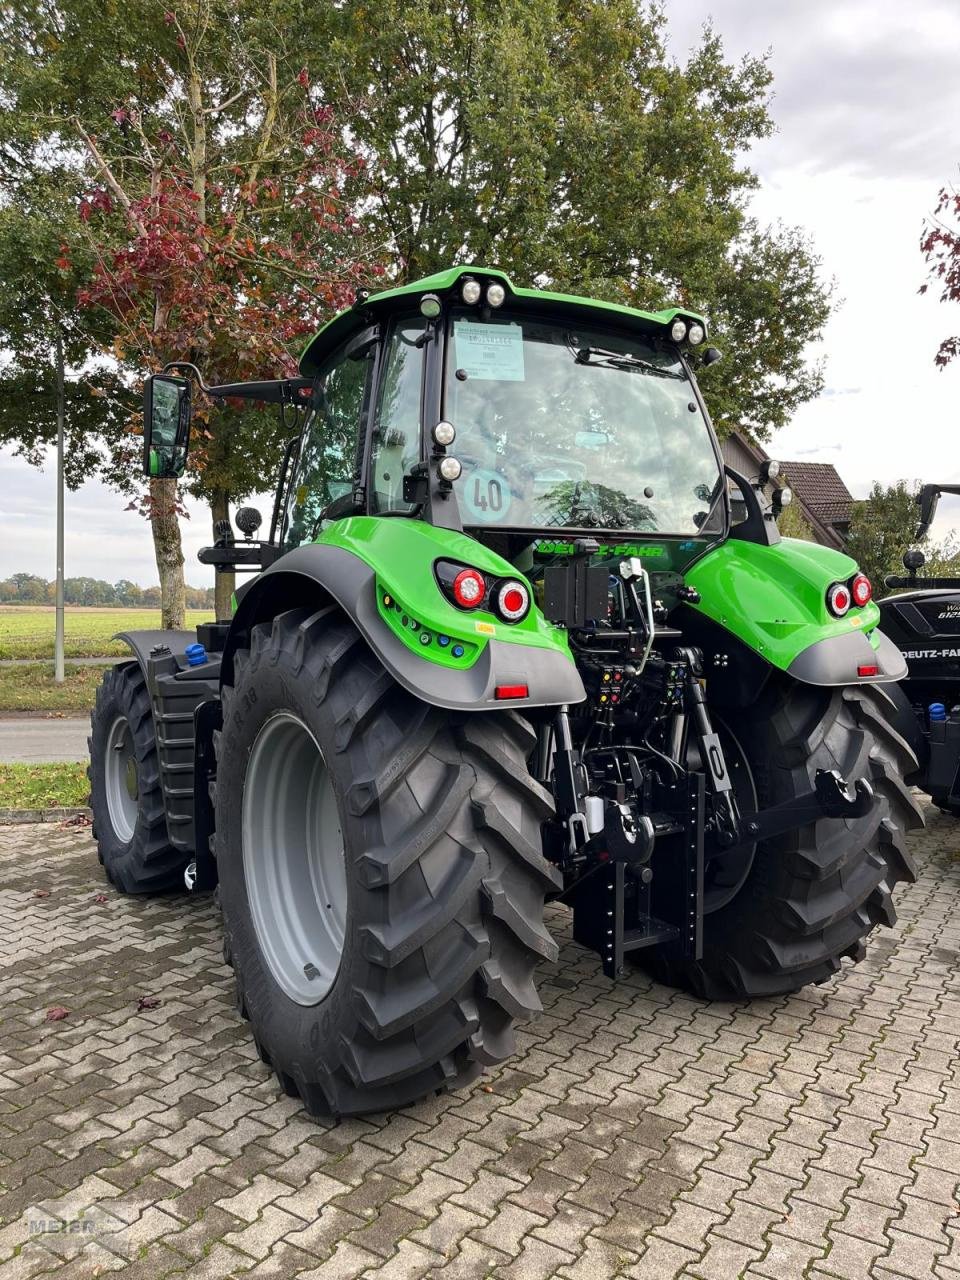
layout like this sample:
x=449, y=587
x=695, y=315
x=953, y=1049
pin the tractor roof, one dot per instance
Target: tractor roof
x=368, y=310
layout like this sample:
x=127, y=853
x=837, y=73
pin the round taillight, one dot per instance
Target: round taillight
x=838, y=598
x=862, y=590
x=513, y=601
x=469, y=588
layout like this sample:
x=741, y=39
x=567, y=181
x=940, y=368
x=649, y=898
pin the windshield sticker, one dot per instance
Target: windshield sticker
x=486, y=496
x=490, y=351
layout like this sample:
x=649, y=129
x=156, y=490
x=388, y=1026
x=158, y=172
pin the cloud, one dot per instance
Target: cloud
x=869, y=86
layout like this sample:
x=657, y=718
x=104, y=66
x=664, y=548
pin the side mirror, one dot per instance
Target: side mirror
x=927, y=500
x=166, y=426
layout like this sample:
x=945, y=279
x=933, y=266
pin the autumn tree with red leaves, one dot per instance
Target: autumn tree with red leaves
x=224, y=235
x=940, y=245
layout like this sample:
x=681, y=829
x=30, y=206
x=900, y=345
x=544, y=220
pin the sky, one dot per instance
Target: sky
x=866, y=102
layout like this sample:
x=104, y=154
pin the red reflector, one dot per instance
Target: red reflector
x=868, y=671
x=513, y=600
x=512, y=691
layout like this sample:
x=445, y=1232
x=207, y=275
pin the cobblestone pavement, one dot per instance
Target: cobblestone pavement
x=639, y=1131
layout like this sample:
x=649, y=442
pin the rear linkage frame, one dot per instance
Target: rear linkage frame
x=607, y=830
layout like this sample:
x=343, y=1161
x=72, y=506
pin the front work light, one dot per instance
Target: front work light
x=678, y=330
x=444, y=433
x=495, y=295
x=696, y=334
x=450, y=468
x=470, y=292
x=430, y=306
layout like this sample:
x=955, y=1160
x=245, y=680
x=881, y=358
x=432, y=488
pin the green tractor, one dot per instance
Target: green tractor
x=504, y=646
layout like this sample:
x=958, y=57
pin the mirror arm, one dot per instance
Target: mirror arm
x=272, y=391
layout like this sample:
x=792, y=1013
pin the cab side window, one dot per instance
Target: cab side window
x=326, y=467
x=396, y=431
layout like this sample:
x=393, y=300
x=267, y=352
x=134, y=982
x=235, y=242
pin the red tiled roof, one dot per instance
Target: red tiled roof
x=820, y=488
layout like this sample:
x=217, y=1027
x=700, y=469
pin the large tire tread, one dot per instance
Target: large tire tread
x=149, y=863
x=812, y=896
x=449, y=895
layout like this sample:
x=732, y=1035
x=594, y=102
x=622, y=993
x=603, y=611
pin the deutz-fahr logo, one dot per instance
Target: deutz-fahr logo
x=546, y=548
x=919, y=654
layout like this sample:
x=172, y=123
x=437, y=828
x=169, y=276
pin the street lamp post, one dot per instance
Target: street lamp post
x=58, y=672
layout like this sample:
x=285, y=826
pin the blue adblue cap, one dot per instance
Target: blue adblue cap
x=196, y=655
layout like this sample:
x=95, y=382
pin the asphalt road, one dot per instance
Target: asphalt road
x=29, y=741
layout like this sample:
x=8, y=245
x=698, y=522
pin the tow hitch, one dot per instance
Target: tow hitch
x=831, y=797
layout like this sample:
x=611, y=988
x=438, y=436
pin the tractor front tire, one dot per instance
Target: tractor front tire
x=813, y=895
x=380, y=873
x=129, y=824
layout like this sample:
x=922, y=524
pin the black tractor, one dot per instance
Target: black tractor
x=923, y=620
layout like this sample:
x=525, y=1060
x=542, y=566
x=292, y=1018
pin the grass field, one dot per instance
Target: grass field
x=27, y=632
x=33, y=688
x=43, y=786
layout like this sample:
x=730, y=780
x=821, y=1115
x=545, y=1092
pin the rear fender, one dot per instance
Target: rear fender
x=322, y=573
x=774, y=600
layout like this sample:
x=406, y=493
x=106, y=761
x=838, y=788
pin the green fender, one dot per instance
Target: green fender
x=380, y=571
x=774, y=599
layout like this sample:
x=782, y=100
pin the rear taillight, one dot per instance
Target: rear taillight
x=862, y=590
x=469, y=588
x=512, y=600
x=838, y=599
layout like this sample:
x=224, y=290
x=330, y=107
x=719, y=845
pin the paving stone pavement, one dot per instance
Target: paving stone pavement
x=639, y=1132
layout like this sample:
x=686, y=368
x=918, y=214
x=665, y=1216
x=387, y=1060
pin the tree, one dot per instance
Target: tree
x=884, y=525
x=560, y=142
x=214, y=209
x=940, y=245
x=792, y=524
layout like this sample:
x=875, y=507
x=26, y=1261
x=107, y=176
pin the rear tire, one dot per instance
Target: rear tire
x=129, y=824
x=442, y=883
x=811, y=896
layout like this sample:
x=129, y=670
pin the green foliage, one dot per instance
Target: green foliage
x=559, y=142
x=32, y=687
x=27, y=588
x=43, y=786
x=792, y=524
x=884, y=525
x=27, y=631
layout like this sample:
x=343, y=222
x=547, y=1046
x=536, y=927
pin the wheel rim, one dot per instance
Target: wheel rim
x=122, y=781
x=293, y=859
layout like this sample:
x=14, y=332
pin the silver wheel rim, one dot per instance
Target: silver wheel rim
x=293, y=859
x=122, y=783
